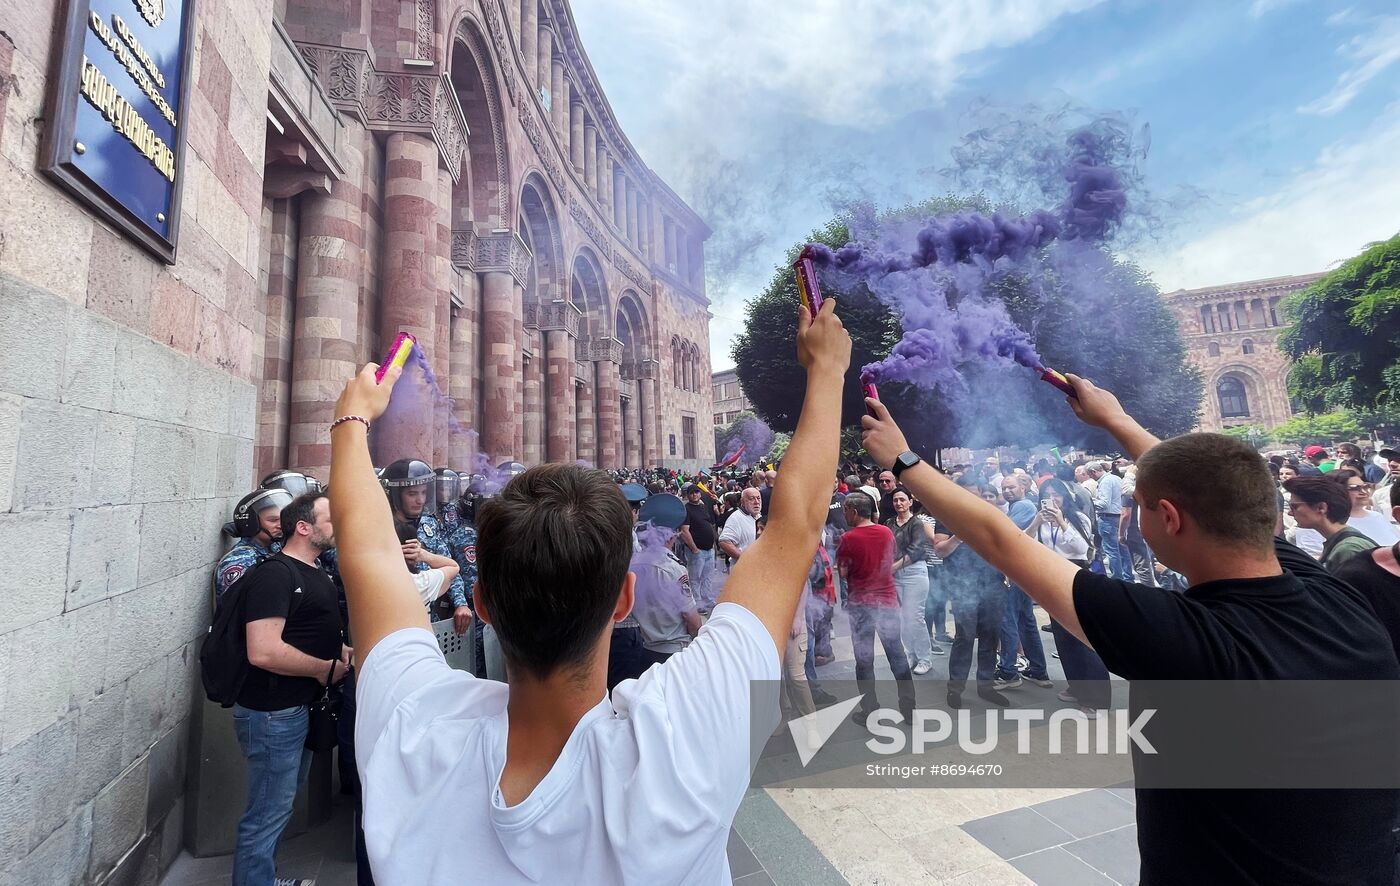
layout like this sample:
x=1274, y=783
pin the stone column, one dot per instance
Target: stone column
x=668, y=242
x=576, y=134
x=545, y=73
x=619, y=199
x=604, y=179
x=590, y=154
x=529, y=34
x=442, y=357
x=632, y=430
x=463, y=375
x=533, y=396
x=324, y=334
x=411, y=290
x=609, y=432
x=650, y=421
x=585, y=425
x=559, y=402
x=632, y=215
x=518, y=358
x=500, y=386
x=558, y=101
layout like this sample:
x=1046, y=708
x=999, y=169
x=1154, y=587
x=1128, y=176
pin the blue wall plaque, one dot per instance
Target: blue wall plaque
x=117, y=124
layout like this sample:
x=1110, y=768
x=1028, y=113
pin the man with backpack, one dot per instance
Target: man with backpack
x=294, y=640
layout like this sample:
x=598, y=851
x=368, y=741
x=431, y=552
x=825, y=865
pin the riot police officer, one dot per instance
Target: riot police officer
x=411, y=485
x=257, y=524
x=459, y=522
x=294, y=482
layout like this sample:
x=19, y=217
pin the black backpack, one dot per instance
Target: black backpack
x=223, y=658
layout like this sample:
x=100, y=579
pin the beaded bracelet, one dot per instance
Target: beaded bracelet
x=344, y=418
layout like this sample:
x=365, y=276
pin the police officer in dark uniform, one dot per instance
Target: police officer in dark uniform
x=458, y=517
x=411, y=485
x=626, y=656
x=257, y=524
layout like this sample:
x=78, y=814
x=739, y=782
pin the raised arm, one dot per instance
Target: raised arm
x=768, y=580
x=1099, y=408
x=378, y=590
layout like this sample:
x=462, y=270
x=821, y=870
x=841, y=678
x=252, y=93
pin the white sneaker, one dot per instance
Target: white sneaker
x=922, y=668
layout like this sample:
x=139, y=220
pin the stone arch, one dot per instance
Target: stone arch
x=588, y=290
x=631, y=328
x=484, y=195
x=1237, y=394
x=538, y=225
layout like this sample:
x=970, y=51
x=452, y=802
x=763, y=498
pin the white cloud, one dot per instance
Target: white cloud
x=1347, y=197
x=1371, y=53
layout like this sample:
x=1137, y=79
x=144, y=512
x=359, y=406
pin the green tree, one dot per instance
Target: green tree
x=1344, y=336
x=1123, y=338
x=1324, y=430
x=1251, y=434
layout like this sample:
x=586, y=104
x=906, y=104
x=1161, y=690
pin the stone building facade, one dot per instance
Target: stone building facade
x=353, y=168
x=1231, y=333
x=728, y=396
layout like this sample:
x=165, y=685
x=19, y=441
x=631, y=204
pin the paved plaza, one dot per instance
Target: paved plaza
x=817, y=836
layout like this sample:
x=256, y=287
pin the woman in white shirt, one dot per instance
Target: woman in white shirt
x=1364, y=520
x=1066, y=530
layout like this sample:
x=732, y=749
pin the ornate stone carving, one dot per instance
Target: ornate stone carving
x=423, y=20
x=393, y=102
x=579, y=213
x=503, y=251
x=506, y=60
x=648, y=368
x=559, y=316
x=600, y=350
x=543, y=148
x=631, y=273
x=464, y=249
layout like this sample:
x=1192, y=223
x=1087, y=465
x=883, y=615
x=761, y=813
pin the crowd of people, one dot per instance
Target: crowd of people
x=898, y=552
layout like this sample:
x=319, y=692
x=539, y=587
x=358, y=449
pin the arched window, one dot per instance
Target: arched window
x=1247, y=347
x=1233, y=402
x=1213, y=349
x=676, y=378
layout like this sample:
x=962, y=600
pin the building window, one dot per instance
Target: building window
x=719, y=418
x=1273, y=312
x=1213, y=349
x=1247, y=347
x=688, y=435
x=729, y=417
x=1223, y=312
x=1233, y=402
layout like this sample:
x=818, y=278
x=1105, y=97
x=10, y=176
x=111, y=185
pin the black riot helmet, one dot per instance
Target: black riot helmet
x=294, y=482
x=245, y=514
x=410, y=474
x=449, y=486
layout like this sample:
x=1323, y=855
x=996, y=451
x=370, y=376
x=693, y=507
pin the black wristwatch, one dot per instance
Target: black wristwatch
x=906, y=460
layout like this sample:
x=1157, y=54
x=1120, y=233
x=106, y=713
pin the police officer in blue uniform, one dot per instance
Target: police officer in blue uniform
x=411, y=485
x=458, y=517
x=257, y=524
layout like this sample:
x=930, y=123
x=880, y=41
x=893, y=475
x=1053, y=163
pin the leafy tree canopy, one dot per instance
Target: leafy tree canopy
x=1323, y=430
x=1124, y=339
x=1344, y=336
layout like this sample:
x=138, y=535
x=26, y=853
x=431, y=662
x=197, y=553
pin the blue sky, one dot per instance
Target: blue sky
x=1275, y=124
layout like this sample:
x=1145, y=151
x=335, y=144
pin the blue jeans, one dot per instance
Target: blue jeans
x=1018, y=628
x=273, y=744
x=1108, y=538
x=701, y=566
x=866, y=623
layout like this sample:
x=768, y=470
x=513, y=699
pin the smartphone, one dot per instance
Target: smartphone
x=1047, y=505
x=398, y=355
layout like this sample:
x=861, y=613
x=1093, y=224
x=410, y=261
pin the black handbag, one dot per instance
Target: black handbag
x=322, y=717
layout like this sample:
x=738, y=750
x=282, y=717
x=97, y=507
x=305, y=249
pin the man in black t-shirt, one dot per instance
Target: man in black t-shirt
x=1255, y=610
x=295, y=647
x=1376, y=574
x=700, y=561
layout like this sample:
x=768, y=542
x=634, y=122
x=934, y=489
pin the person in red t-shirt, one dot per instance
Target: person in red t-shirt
x=865, y=559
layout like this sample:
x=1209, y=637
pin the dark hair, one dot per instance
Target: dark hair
x=1324, y=491
x=301, y=509
x=1220, y=481
x=1070, y=509
x=861, y=503
x=552, y=554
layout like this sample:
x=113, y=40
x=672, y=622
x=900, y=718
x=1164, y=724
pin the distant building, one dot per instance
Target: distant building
x=1231, y=333
x=728, y=396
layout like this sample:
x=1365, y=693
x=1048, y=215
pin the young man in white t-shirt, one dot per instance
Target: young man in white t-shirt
x=547, y=779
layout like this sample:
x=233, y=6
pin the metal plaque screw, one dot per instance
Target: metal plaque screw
x=79, y=148
x=160, y=217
